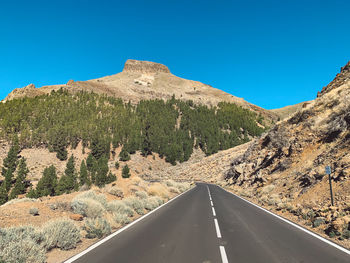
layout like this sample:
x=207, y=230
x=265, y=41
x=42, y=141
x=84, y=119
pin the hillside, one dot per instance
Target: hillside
x=284, y=169
x=289, y=110
x=143, y=80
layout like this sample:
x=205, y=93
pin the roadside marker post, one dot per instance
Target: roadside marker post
x=329, y=172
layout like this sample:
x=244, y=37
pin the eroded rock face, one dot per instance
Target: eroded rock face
x=144, y=67
x=340, y=79
x=293, y=154
x=28, y=91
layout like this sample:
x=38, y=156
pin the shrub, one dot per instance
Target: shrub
x=97, y=227
x=34, y=211
x=101, y=198
x=174, y=190
x=318, y=221
x=25, y=250
x=152, y=202
x=21, y=244
x=117, y=165
x=158, y=189
x=121, y=219
x=346, y=234
x=22, y=200
x=141, y=194
x=87, y=207
x=61, y=233
x=135, y=204
x=170, y=183
x=183, y=186
x=119, y=207
x=267, y=189
x=116, y=191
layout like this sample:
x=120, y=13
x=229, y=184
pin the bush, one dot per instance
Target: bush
x=141, y=194
x=183, y=186
x=267, y=189
x=152, y=202
x=22, y=200
x=34, y=211
x=346, y=234
x=121, y=219
x=101, y=198
x=87, y=207
x=170, y=183
x=21, y=244
x=97, y=227
x=116, y=191
x=319, y=221
x=158, y=189
x=174, y=190
x=25, y=250
x=119, y=207
x=135, y=204
x=61, y=233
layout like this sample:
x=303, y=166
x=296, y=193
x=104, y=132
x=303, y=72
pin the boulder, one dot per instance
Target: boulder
x=76, y=217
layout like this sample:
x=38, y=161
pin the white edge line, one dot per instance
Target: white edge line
x=295, y=225
x=72, y=259
x=218, y=233
x=214, y=214
x=223, y=254
x=211, y=202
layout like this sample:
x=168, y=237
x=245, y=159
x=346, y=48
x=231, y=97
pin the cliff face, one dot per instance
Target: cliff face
x=144, y=67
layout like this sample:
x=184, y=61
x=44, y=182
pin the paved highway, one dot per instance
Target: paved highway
x=208, y=224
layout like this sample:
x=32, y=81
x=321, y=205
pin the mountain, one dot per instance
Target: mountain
x=289, y=110
x=285, y=168
x=143, y=80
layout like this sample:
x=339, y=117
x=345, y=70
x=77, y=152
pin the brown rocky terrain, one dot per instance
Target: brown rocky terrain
x=143, y=80
x=285, y=169
x=289, y=110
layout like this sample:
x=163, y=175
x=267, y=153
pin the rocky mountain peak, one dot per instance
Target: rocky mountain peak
x=339, y=80
x=144, y=67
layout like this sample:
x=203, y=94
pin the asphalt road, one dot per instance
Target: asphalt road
x=208, y=224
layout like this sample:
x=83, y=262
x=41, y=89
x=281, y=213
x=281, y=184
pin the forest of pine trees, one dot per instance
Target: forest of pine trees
x=172, y=128
x=60, y=120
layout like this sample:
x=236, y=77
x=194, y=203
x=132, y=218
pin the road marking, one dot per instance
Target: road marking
x=214, y=214
x=295, y=225
x=223, y=254
x=72, y=259
x=218, y=233
x=211, y=202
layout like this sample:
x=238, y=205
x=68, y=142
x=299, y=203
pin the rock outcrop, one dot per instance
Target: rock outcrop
x=340, y=79
x=144, y=67
x=285, y=168
x=28, y=91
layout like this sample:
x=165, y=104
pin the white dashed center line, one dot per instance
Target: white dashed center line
x=218, y=233
x=223, y=254
x=214, y=214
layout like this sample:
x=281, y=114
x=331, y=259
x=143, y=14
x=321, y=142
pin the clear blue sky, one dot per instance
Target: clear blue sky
x=271, y=53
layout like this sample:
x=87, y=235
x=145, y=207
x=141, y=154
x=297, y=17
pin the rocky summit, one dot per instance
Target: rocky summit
x=144, y=67
x=340, y=79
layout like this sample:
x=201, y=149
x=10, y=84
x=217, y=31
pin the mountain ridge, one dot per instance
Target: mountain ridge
x=144, y=80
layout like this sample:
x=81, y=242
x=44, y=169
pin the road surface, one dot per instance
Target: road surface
x=208, y=224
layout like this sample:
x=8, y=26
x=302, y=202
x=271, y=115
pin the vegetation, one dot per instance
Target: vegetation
x=126, y=171
x=102, y=123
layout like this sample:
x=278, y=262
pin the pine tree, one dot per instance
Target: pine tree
x=101, y=172
x=84, y=176
x=3, y=194
x=126, y=171
x=48, y=182
x=10, y=164
x=90, y=163
x=124, y=155
x=32, y=193
x=68, y=181
x=19, y=187
x=111, y=178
